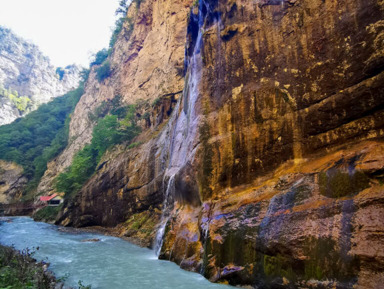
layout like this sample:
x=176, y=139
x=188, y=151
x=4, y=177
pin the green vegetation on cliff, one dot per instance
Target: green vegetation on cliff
x=123, y=24
x=114, y=128
x=100, y=57
x=39, y=137
x=18, y=270
x=121, y=11
x=103, y=71
x=47, y=214
x=20, y=102
x=60, y=73
x=119, y=26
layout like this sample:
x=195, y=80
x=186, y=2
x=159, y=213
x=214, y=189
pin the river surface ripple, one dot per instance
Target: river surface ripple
x=111, y=263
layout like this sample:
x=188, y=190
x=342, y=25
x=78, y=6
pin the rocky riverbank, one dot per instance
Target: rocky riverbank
x=18, y=270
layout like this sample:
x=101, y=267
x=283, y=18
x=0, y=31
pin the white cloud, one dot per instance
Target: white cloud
x=67, y=31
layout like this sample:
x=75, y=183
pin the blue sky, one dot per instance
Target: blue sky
x=67, y=31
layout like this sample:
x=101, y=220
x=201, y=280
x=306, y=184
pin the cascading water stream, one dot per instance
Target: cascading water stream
x=185, y=129
x=165, y=215
x=186, y=126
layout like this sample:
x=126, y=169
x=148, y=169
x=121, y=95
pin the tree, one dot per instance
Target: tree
x=105, y=134
x=123, y=8
x=103, y=71
x=100, y=57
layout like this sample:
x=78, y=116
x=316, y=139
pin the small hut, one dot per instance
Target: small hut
x=52, y=200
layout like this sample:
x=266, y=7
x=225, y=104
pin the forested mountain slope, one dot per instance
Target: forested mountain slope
x=27, y=78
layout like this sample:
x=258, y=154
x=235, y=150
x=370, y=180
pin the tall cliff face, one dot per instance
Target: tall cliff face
x=27, y=79
x=147, y=64
x=267, y=169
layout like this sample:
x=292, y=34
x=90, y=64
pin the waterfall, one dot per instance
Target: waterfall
x=165, y=215
x=185, y=128
x=205, y=232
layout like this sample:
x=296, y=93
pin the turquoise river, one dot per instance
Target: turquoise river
x=110, y=263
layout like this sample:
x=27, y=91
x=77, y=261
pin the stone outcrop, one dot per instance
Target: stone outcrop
x=12, y=182
x=267, y=169
x=306, y=225
x=27, y=79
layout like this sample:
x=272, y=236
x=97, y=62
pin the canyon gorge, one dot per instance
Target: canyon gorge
x=259, y=160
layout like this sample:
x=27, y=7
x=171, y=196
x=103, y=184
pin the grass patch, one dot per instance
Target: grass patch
x=140, y=225
x=156, y=101
x=135, y=144
x=47, y=214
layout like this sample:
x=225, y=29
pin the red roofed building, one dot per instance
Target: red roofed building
x=47, y=198
x=52, y=200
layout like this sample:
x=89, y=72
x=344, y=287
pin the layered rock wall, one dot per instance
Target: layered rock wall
x=12, y=182
x=268, y=167
x=284, y=84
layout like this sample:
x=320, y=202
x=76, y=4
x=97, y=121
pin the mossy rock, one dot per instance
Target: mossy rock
x=336, y=183
x=206, y=170
x=47, y=214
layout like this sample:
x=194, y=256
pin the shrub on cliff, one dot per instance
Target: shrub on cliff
x=82, y=167
x=103, y=71
x=84, y=74
x=121, y=11
x=21, y=102
x=100, y=57
x=110, y=130
x=138, y=2
x=118, y=27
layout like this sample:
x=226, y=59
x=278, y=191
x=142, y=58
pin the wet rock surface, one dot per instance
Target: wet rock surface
x=91, y=240
x=284, y=232
x=270, y=160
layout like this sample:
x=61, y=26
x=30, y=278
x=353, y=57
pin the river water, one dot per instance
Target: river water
x=111, y=263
